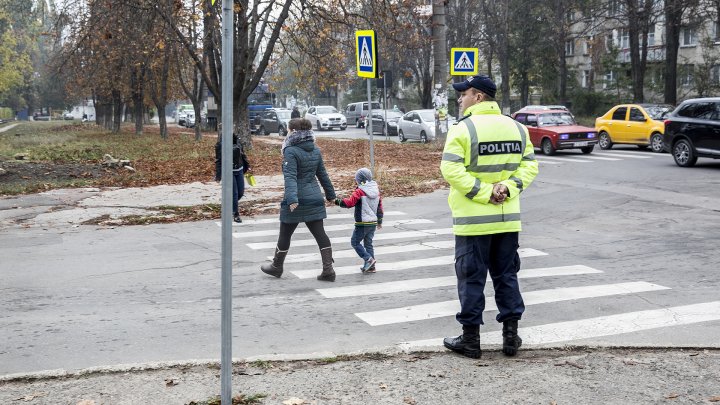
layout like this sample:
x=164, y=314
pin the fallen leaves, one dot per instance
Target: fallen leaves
x=294, y=401
x=570, y=363
x=714, y=399
x=169, y=382
x=672, y=395
x=30, y=397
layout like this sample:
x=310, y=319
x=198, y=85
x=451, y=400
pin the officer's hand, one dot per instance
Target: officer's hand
x=499, y=193
x=293, y=206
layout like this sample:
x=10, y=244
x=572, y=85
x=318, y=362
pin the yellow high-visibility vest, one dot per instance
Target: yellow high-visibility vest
x=483, y=148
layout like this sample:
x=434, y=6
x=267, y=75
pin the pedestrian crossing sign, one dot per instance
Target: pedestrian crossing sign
x=464, y=61
x=366, y=54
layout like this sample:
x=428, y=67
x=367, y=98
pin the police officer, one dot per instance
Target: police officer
x=488, y=161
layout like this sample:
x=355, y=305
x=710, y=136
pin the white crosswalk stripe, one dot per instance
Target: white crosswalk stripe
x=330, y=228
x=624, y=156
x=596, y=327
x=591, y=157
x=276, y=220
x=379, y=251
x=405, y=264
x=448, y=308
x=562, y=159
x=378, y=236
x=424, y=283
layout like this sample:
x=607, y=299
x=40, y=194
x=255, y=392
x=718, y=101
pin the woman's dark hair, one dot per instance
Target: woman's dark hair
x=299, y=124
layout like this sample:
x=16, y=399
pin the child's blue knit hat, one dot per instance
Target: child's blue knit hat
x=363, y=175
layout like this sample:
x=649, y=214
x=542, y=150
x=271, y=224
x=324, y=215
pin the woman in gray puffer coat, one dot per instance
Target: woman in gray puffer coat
x=303, y=202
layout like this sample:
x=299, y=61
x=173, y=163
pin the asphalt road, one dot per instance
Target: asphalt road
x=620, y=250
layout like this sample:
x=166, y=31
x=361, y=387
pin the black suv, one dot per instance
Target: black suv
x=692, y=130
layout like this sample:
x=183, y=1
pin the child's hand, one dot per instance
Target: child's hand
x=379, y=227
x=338, y=201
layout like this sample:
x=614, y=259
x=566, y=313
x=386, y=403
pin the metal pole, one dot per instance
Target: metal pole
x=387, y=135
x=369, y=125
x=226, y=209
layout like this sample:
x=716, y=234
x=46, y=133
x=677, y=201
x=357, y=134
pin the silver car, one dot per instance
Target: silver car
x=417, y=124
x=325, y=117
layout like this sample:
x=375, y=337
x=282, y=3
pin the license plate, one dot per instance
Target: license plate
x=581, y=144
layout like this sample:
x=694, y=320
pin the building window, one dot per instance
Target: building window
x=686, y=75
x=609, y=79
x=716, y=31
x=651, y=35
x=715, y=75
x=586, y=46
x=570, y=47
x=624, y=38
x=687, y=36
x=585, y=79
x=615, y=7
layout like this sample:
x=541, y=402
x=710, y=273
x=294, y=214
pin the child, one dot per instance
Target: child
x=368, y=216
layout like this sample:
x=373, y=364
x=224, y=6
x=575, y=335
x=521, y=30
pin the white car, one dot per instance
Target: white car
x=417, y=124
x=325, y=117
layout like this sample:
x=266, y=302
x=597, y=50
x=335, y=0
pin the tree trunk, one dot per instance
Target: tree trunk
x=440, y=65
x=117, y=106
x=673, y=19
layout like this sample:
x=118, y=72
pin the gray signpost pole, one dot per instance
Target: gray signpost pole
x=226, y=210
x=370, y=128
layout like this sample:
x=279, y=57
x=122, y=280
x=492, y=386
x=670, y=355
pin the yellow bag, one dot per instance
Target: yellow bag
x=250, y=179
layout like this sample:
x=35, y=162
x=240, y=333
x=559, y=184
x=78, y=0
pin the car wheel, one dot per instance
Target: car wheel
x=656, y=143
x=423, y=137
x=318, y=125
x=683, y=154
x=282, y=131
x=604, y=140
x=261, y=131
x=401, y=136
x=587, y=150
x=547, y=147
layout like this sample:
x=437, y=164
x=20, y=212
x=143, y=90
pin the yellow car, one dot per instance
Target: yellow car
x=634, y=124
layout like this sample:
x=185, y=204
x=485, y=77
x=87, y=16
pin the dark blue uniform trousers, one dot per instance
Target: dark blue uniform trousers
x=474, y=257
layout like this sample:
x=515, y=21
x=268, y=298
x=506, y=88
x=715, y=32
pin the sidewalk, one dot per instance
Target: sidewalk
x=574, y=376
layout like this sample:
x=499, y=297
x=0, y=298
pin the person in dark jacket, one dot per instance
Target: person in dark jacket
x=303, y=201
x=240, y=167
x=368, y=216
x=295, y=113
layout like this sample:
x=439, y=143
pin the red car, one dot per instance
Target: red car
x=551, y=130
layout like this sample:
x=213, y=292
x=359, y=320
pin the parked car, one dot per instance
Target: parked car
x=634, y=124
x=356, y=113
x=326, y=117
x=692, y=130
x=379, y=124
x=542, y=107
x=551, y=130
x=273, y=120
x=417, y=124
x=68, y=117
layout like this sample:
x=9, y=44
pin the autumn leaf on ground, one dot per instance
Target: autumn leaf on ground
x=383, y=386
x=672, y=396
x=715, y=398
x=294, y=401
x=86, y=402
x=32, y=396
x=409, y=401
x=169, y=382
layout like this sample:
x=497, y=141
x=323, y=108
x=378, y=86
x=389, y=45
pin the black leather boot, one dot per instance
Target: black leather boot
x=275, y=267
x=467, y=344
x=511, y=340
x=328, y=273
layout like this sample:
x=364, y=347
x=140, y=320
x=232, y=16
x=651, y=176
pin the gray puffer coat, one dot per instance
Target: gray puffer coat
x=302, y=168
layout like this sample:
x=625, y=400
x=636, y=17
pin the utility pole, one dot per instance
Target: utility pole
x=440, y=66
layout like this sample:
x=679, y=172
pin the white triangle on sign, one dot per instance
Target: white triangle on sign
x=464, y=62
x=365, y=55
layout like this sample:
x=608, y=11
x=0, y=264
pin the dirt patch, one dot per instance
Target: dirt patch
x=44, y=175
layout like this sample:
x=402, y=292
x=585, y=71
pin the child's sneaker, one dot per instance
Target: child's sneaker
x=369, y=264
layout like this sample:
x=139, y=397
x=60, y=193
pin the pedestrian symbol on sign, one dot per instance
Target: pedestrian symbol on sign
x=464, y=61
x=365, y=54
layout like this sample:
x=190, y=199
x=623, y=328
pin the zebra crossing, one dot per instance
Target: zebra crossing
x=404, y=236
x=597, y=156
